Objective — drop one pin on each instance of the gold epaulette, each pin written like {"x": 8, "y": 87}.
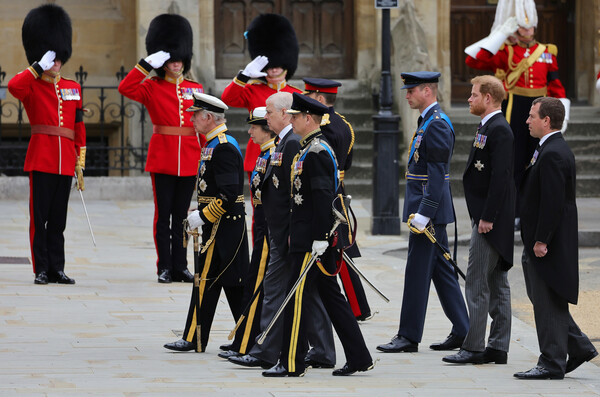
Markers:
{"x": 552, "y": 49}
{"x": 351, "y": 132}
{"x": 222, "y": 138}
{"x": 255, "y": 81}
{"x": 325, "y": 119}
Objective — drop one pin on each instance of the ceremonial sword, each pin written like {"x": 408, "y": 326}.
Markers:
{"x": 85, "y": 210}
{"x": 432, "y": 238}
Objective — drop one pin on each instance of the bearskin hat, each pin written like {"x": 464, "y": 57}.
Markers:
{"x": 171, "y": 33}
{"x": 273, "y": 36}
{"x": 47, "y": 28}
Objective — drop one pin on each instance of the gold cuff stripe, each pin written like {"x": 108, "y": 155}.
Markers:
{"x": 208, "y": 199}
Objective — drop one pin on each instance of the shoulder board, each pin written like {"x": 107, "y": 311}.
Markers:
{"x": 191, "y": 81}
{"x": 222, "y": 138}
{"x": 552, "y": 49}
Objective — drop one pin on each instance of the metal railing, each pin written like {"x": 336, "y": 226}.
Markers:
{"x": 117, "y": 130}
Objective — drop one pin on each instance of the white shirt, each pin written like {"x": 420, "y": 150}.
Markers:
{"x": 284, "y": 132}
{"x": 489, "y": 116}
{"x": 545, "y": 137}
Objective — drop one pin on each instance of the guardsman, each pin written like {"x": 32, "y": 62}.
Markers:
{"x": 248, "y": 329}
{"x": 528, "y": 69}
{"x": 340, "y": 135}
{"x": 273, "y": 47}
{"x": 313, "y": 186}
{"x": 56, "y": 150}
{"x": 174, "y": 147}
{"x": 428, "y": 197}
{"x": 220, "y": 215}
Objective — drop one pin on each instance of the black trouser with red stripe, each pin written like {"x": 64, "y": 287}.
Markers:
{"x": 48, "y": 204}
{"x": 295, "y": 320}
{"x": 172, "y": 196}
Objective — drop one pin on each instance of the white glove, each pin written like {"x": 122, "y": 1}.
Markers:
{"x": 474, "y": 48}
{"x": 47, "y": 60}
{"x": 318, "y": 247}
{"x": 420, "y": 221}
{"x": 567, "y": 104}
{"x": 194, "y": 220}
{"x": 254, "y": 68}
{"x": 598, "y": 85}
{"x": 158, "y": 59}
{"x": 494, "y": 41}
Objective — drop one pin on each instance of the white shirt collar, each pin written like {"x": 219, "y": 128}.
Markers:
{"x": 545, "y": 137}
{"x": 489, "y": 116}
{"x": 284, "y": 132}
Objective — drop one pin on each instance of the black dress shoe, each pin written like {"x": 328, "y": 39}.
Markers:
{"x": 495, "y": 356}
{"x": 279, "y": 371}
{"x": 226, "y": 347}
{"x": 399, "y": 344}
{"x": 450, "y": 343}
{"x": 228, "y": 353}
{"x": 60, "y": 277}
{"x": 180, "y": 345}
{"x": 184, "y": 276}
{"x": 248, "y": 360}
{"x": 576, "y": 361}
{"x": 538, "y": 373}
{"x": 164, "y": 276}
{"x": 309, "y": 362}
{"x": 465, "y": 357}
{"x": 346, "y": 370}
{"x": 41, "y": 278}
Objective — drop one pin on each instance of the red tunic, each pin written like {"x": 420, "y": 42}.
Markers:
{"x": 50, "y": 102}
{"x": 543, "y": 72}
{"x": 241, "y": 93}
{"x": 166, "y": 101}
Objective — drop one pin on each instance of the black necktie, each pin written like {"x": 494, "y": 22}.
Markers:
{"x": 478, "y": 128}
{"x": 419, "y": 121}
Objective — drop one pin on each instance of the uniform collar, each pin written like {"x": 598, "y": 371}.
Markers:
{"x": 277, "y": 86}
{"x": 216, "y": 131}
{"x": 309, "y": 137}
{"x": 267, "y": 145}
{"x": 172, "y": 80}
{"x": 49, "y": 79}
{"x": 527, "y": 45}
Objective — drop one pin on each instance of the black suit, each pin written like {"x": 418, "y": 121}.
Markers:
{"x": 549, "y": 215}
{"x": 490, "y": 195}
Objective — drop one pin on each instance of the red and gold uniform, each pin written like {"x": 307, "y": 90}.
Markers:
{"x": 524, "y": 80}
{"x": 173, "y": 155}
{"x": 244, "y": 92}
{"x": 54, "y": 107}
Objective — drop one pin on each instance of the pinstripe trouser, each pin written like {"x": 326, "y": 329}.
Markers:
{"x": 487, "y": 292}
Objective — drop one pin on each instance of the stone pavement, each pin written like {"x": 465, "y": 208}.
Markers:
{"x": 104, "y": 335}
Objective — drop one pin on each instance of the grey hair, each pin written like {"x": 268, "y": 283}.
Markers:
{"x": 218, "y": 117}
{"x": 281, "y": 100}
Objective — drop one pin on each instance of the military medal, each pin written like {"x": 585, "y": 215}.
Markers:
{"x": 261, "y": 165}
{"x": 188, "y": 92}
{"x": 202, "y": 169}
{"x": 534, "y": 158}
{"x": 416, "y": 156}
{"x": 276, "y": 159}
{"x": 70, "y": 94}
{"x": 207, "y": 153}
{"x": 258, "y": 194}
{"x": 298, "y": 167}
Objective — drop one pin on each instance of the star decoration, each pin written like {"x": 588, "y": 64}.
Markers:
{"x": 202, "y": 185}
{"x": 298, "y": 199}
{"x": 256, "y": 180}
{"x": 202, "y": 169}
{"x": 275, "y": 181}
{"x": 479, "y": 165}
{"x": 297, "y": 183}
{"x": 258, "y": 195}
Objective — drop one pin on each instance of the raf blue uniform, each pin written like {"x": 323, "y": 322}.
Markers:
{"x": 428, "y": 193}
